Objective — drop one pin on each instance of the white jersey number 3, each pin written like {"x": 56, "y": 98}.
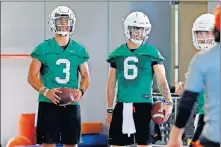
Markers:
{"x": 66, "y": 71}
{"x": 130, "y": 67}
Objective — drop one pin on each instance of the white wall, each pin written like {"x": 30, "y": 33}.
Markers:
{"x": 99, "y": 28}
{"x": 21, "y": 31}
{"x": 16, "y": 95}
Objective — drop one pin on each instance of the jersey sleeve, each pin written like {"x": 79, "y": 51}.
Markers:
{"x": 113, "y": 65}
{"x": 83, "y": 55}
{"x": 38, "y": 53}
{"x": 195, "y": 78}
{"x": 111, "y": 58}
{"x": 156, "y": 62}
{"x": 158, "y": 57}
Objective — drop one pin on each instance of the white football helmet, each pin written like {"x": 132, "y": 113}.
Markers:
{"x": 204, "y": 23}
{"x": 137, "y": 27}
{"x": 62, "y": 21}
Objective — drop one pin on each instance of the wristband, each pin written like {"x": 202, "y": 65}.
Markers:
{"x": 110, "y": 110}
{"x": 82, "y": 92}
{"x": 169, "y": 103}
{"x": 46, "y": 91}
{"x": 41, "y": 89}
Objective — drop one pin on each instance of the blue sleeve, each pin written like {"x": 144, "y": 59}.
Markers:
{"x": 195, "y": 78}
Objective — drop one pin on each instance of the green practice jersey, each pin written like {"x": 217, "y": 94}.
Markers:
{"x": 60, "y": 68}
{"x": 200, "y": 101}
{"x": 134, "y": 72}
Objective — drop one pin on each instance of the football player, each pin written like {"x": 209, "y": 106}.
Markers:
{"x": 58, "y": 61}
{"x": 203, "y": 72}
{"x": 203, "y": 39}
{"x": 132, "y": 66}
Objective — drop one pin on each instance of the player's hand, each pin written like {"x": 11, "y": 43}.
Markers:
{"x": 52, "y": 96}
{"x": 79, "y": 96}
{"x": 108, "y": 119}
{"x": 174, "y": 142}
{"x": 175, "y": 138}
{"x": 168, "y": 110}
{"x": 179, "y": 88}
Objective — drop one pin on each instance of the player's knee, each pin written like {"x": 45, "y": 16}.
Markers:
{"x": 49, "y": 145}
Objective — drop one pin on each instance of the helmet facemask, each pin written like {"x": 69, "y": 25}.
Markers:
{"x": 137, "y": 35}
{"x": 203, "y": 40}
{"x": 64, "y": 25}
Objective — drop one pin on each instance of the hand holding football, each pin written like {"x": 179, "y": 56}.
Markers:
{"x": 67, "y": 95}
{"x": 158, "y": 112}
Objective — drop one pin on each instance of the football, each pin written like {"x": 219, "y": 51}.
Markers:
{"x": 67, "y": 96}
{"x": 158, "y": 112}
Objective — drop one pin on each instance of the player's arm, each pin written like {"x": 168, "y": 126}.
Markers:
{"x": 35, "y": 82}
{"x": 33, "y": 74}
{"x": 160, "y": 74}
{"x": 85, "y": 77}
{"x": 111, "y": 85}
{"x": 193, "y": 86}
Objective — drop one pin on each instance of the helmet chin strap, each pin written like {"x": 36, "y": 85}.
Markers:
{"x": 137, "y": 42}
{"x": 62, "y": 34}
{"x": 204, "y": 46}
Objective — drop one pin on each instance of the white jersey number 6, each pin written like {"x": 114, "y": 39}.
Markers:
{"x": 130, "y": 67}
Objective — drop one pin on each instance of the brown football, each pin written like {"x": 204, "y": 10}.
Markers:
{"x": 67, "y": 96}
{"x": 158, "y": 112}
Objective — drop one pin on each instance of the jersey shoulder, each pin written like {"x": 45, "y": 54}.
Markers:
{"x": 41, "y": 50}
{"x": 152, "y": 52}
{"x": 79, "y": 49}
{"x": 119, "y": 51}
{"x": 43, "y": 47}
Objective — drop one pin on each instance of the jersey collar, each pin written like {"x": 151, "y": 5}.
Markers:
{"x": 57, "y": 47}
